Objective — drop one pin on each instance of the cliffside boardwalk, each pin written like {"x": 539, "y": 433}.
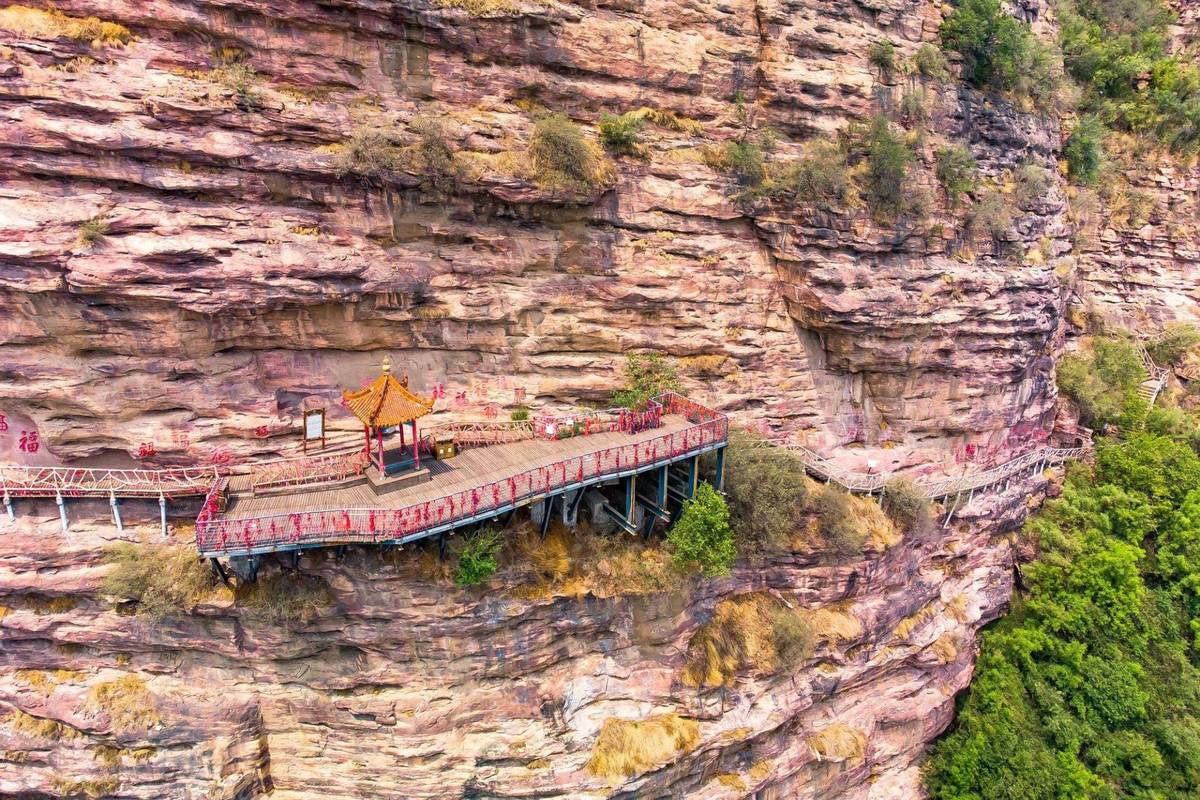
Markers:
{"x": 334, "y": 498}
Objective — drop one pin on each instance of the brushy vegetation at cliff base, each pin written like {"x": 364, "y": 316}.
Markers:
{"x": 1090, "y": 688}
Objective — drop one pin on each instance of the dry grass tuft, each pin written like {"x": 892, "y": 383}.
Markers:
{"x": 576, "y": 563}
{"x": 833, "y": 624}
{"x": 285, "y": 597}
{"x": 879, "y": 531}
{"x": 945, "y": 648}
{"x": 41, "y": 24}
{"x": 749, "y": 632}
{"x": 731, "y": 781}
{"x": 906, "y": 626}
{"x": 84, "y": 787}
{"x": 626, "y": 747}
{"x": 838, "y": 742}
{"x": 40, "y": 727}
{"x": 127, "y": 702}
{"x": 162, "y": 579}
{"x": 45, "y": 682}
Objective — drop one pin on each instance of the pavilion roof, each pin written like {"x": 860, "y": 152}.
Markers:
{"x": 386, "y": 402}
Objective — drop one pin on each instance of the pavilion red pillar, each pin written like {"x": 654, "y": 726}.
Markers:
{"x": 416, "y": 450}
{"x": 379, "y": 438}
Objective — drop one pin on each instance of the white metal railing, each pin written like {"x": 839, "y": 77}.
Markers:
{"x": 936, "y": 488}
{"x": 22, "y": 481}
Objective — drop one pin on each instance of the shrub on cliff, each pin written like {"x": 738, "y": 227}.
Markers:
{"x": 1178, "y": 340}
{"x": 477, "y": 558}
{"x": 619, "y": 134}
{"x": 907, "y": 505}
{"x": 1001, "y": 52}
{"x": 837, "y": 522}
{"x": 431, "y": 155}
{"x": 1103, "y": 382}
{"x": 701, "y": 538}
{"x": 162, "y": 579}
{"x": 930, "y": 62}
{"x": 882, "y": 56}
{"x": 1129, "y": 73}
{"x": 767, "y": 490}
{"x": 560, "y": 153}
{"x": 92, "y": 231}
{"x": 370, "y": 151}
{"x": 820, "y": 178}
{"x": 888, "y": 157}
{"x": 956, "y": 172}
{"x": 1084, "y": 151}
{"x": 646, "y": 376}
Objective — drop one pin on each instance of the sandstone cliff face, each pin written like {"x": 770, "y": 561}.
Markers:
{"x": 237, "y": 274}
{"x": 409, "y": 688}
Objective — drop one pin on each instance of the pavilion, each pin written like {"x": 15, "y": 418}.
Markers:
{"x": 387, "y": 403}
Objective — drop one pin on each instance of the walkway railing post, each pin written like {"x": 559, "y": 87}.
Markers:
{"x": 162, "y": 514}
{"x": 116, "y": 512}
{"x": 62, "y": 510}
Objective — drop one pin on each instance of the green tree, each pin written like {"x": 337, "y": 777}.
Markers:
{"x": 477, "y": 558}
{"x": 956, "y": 171}
{"x": 702, "y": 538}
{"x": 646, "y": 376}
{"x": 766, "y": 487}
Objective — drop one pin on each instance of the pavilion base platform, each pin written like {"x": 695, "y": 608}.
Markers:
{"x": 383, "y": 484}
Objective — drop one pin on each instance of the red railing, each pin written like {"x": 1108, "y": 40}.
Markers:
{"x": 585, "y": 421}
{"x": 224, "y": 536}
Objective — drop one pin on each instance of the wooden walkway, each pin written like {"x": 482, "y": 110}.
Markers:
{"x": 474, "y": 486}
{"x": 469, "y": 469}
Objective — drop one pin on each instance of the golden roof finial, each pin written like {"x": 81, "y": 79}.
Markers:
{"x": 387, "y": 363}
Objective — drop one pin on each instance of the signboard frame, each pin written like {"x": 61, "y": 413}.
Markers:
{"x": 313, "y": 416}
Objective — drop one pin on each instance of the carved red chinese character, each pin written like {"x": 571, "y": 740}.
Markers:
{"x": 3, "y": 423}
{"x": 29, "y": 442}
{"x": 439, "y": 391}
{"x": 221, "y": 456}
{"x": 491, "y": 410}
{"x": 261, "y": 431}
{"x": 519, "y": 396}
{"x": 146, "y": 450}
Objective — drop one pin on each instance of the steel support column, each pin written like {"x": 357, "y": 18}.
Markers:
{"x": 8, "y": 506}
{"x": 719, "y": 479}
{"x": 162, "y": 515}
{"x": 62, "y": 510}
{"x": 116, "y": 512}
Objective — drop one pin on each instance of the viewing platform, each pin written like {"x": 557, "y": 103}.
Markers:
{"x": 642, "y": 463}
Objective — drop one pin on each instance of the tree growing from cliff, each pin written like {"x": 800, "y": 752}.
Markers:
{"x": 646, "y": 376}
{"x": 888, "y": 157}
{"x": 477, "y": 558}
{"x": 1001, "y": 52}
{"x": 701, "y": 538}
{"x": 1103, "y": 381}
{"x": 767, "y": 490}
